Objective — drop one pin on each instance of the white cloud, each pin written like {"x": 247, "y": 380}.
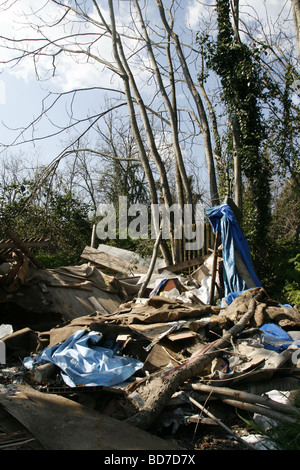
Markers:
{"x": 72, "y": 70}
{"x": 198, "y": 12}
{"x": 263, "y": 9}
{"x": 23, "y": 19}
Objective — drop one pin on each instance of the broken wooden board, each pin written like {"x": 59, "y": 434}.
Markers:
{"x": 205, "y": 269}
{"x": 159, "y": 358}
{"x": 112, "y": 262}
{"x": 62, "y": 424}
{"x": 181, "y": 335}
{"x": 176, "y": 268}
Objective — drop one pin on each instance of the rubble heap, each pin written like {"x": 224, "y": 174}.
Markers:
{"x": 89, "y": 364}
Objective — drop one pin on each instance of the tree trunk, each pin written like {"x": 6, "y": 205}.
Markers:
{"x": 127, "y": 77}
{"x": 181, "y": 178}
{"x": 235, "y": 126}
{"x": 296, "y": 14}
{"x": 214, "y": 195}
{"x": 237, "y": 165}
{"x": 235, "y": 9}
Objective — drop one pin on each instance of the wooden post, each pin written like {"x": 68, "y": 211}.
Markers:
{"x": 214, "y": 270}
{"x": 93, "y": 237}
{"x": 152, "y": 264}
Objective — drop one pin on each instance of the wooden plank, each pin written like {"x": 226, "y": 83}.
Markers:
{"x": 98, "y": 306}
{"x": 62, "y": 424}
{"x": 214, "y": 270}
{"x": 111, "y": 262}
{"x": 179, "y": 335}
{"x": 183, "y": 265}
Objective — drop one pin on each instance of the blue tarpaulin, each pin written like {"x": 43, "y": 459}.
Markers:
{"x": 275, "y": 338}
{"x": 84, "y": 363}
{"x": 223, "y": 220}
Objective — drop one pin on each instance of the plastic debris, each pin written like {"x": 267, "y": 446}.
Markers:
{"x": 84, "y": 363}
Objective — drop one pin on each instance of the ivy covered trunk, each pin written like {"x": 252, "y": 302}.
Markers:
{"x": 238, "y": 68}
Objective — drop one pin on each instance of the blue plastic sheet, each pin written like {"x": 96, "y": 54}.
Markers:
{"x": 275, "y": 338}
{"x": 232, "y": 296}
{"x": 223, "y": 219}
{"x": 84, "y": 363}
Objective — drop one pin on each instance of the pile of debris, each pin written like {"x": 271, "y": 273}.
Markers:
{"x": 92, "y": 364}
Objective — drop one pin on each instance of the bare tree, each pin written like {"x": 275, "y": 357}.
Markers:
{"x": 77, "y": 30}
{"x": 203, "y": 120}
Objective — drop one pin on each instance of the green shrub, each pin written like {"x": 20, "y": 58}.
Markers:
{"x": 292, "y": 285}
{"x": 56, "y": 260}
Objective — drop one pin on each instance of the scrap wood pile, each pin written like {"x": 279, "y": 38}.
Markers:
{"x": 122, "y": 367}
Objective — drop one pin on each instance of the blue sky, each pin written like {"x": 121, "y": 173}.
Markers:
{"x": 21, "y": 93}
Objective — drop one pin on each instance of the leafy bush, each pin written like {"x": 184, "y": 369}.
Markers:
{"x": 56, "y": 260}
{"x": 292, "y": 285}
{"x": 54, "y": 214}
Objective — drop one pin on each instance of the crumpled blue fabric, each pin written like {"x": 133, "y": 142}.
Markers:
{"x": 84, "y": 363}
{"x": 223, "y": 219}
{"x": 276, "y": 339}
